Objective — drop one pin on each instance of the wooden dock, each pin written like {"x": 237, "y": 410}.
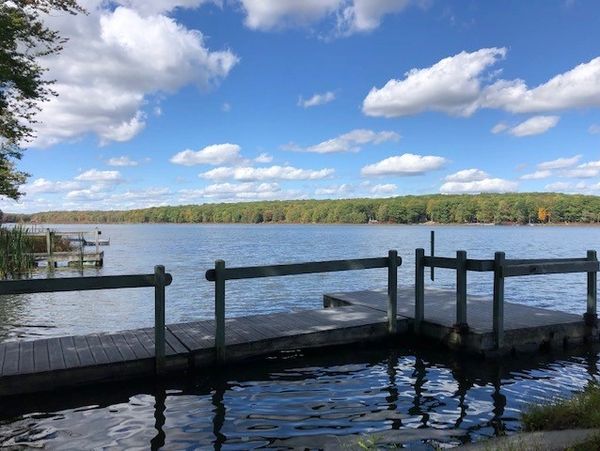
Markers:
{"x": 526, "y": 328}
{"x": 31, "y": 366}
{"x": 485, "y": 326}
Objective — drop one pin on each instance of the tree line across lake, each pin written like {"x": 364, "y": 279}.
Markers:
{"x": 521, "y": 208}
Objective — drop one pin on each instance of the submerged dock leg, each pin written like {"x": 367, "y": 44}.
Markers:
{"x": 419, "y": 289}
{"x": 392, "y": 291}
{"x": 461, "y": 291}
{"x": 498, "y": 319}
{"x": 591, "y": 314}
{"x": 220, "y": 310}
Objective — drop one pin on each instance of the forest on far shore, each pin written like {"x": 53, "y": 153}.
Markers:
{"x": 515, "y": 208}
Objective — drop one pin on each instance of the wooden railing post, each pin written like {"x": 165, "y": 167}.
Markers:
{"x": 591, "y": 314}
{"x": 49, "y": 245}
{"x": 220, "y": 310}
{"x": 392, "y": 290}
{"x": 97, "y": 240}
{"x": 419, "y": 289}
{"x": 159, "y": 318}
{"x": 432, "y": 254}
{"x": 498, "y": 318}
{"x": 461, "y": 290}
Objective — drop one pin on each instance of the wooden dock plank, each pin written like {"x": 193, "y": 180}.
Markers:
{"x": 67, "y": 345}
{"x": 55, "y": 354}
{"x": 122, "y": 347}
{"x": 192, "y": 335}
{"x": 134, "y": 343}
{"x": 41, "y": 360}
{"x": 84, "y": 353}
{"x": 2, "y": 354}
{"x": 174, "y": 343}
{"x": 97, "y": 350}
{"x": 26, "y": 363}
{"x": 11, "y": 358}
{"x": 110, "y": 349}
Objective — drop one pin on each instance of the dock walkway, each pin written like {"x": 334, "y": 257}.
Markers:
{"x": 31, "y": 366}
{"x": 351, "y": 317}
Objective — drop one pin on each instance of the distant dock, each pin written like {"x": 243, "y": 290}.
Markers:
{"x": 478, "y": 325}
{"x": 76, "y": 257}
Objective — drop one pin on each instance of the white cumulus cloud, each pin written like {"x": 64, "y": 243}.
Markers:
{"x": 404, "y": 165}
{"x": 317, "y": 99}
{"x": 559, "y": 163}
{"x": 42, "y": 185}
{"x": 122, "y": 161}
{"x": 487, "y": 185}
{"x": 249, "y": 174}
{"x": 452, "y": 85}
{"x": 467, "y": 175}
{"x": 94, "y": 175}
{"x": 534, "y": 126}
{"x": 114, "y": 60}
{"x": 458, "y": 85}
{"x": 348, "y": 142}
{"x": 350, "y": 15}
{"x": 214, "y": 154}
{"x": 537, "y": 175}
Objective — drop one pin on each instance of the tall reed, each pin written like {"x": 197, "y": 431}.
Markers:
{"x": 15, "y": 251}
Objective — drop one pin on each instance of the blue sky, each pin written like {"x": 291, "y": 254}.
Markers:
{"x": 188, "y": 101}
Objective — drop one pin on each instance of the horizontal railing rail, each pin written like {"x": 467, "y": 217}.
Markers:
{"x": 220, "y": 274}
{"x": 159, "y": 280}
{"x": 502, "y": 268}
{"x": 293, "y": 269}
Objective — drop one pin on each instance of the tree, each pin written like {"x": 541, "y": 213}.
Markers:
{"x": 24, "y": 38}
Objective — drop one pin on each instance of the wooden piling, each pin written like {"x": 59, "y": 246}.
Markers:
{"x": 461, "y": 290}
{"x": 591, "y": 314}
{"x": 220, "y": 310}
{"x": 498, "y": 316}
{"x": 419, "y": 289}
{"x": 159, "y": 318}
{"x": 392, "y": 306}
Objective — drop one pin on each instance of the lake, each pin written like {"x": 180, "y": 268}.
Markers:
{"x": 295, "y": 399}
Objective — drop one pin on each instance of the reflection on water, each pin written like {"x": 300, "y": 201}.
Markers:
{"x": 391, "y": 393}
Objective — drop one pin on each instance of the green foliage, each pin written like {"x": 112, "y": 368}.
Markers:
{"x": 521, "y": 208}
{"x": 15, "y": 251}
{"x": 24, "y": 38}
{"x": 582, "y": 411}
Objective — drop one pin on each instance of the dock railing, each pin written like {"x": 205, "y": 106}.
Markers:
{"x": 159, "y": 280}
{"x": 502, "y": 268}
{"x": 220, "y": 274}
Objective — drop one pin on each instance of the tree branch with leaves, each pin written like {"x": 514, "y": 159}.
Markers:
{"x": 24, "y": 39}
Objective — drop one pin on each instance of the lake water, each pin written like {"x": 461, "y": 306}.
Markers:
{"x": 293, "y": 400}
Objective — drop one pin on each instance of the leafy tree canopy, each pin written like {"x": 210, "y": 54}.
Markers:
{"x": 24, "y": 38}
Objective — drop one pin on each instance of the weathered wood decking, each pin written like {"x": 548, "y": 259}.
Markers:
{"x": 30, "y": 366}
{"x": 354, "y": 317}
{"x": 526, "y": 328}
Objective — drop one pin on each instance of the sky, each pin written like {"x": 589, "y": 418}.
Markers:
{"x": 194, "y": 101}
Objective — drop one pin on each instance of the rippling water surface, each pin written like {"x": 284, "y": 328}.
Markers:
{"x": 389, "y": 394}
